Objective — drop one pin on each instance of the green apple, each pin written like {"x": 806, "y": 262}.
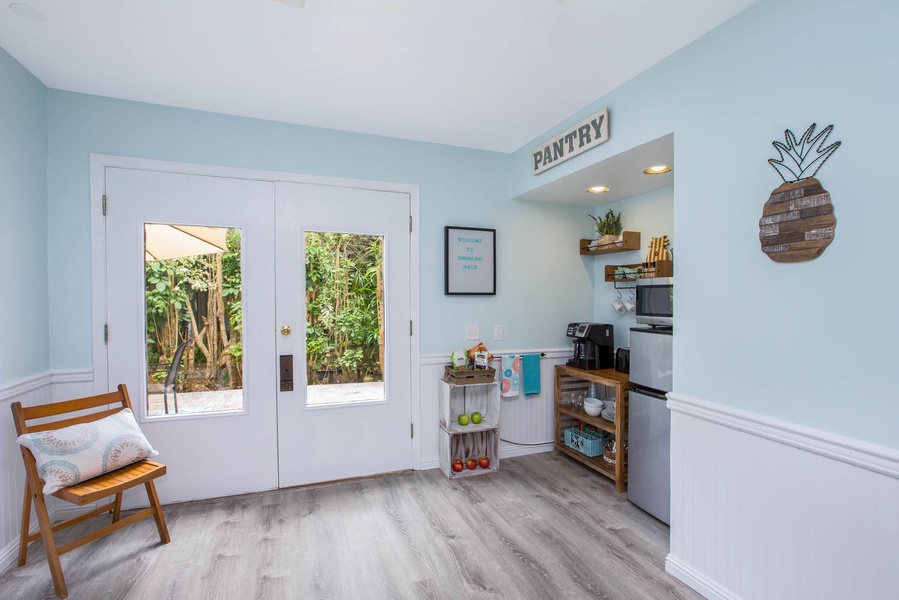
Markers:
{"x": 476, "y": 417}
{"x": 463, "y": 419}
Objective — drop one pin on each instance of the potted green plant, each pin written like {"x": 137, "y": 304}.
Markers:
{"x": 608, "y": 228}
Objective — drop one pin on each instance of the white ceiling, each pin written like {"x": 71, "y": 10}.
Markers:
{"x": 488, "y": 74}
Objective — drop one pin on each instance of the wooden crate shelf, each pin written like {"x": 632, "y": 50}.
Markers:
{"x": 470, "y": 444}
{"x": 458, "y": 399}
{"x": 630, "y": 241}
{"x": 469, "y": 441}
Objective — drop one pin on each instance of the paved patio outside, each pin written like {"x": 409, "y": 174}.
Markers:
{"x": 232, "y": 400}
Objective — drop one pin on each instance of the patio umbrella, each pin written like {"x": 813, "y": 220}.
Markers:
{"x": 172, "y": 241}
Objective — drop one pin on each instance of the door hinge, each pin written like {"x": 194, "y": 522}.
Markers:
{"x": 106, "y": 333}
{"x": 410, "y": 223}
{"x": 410, "y": 328}
{"x": 411, "y": 430}
{"x": 104, "y": 205}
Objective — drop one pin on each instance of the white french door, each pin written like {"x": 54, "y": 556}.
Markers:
{"x": 338, "y": 431}
{"x": 255, "y": 437}
{"x": 217, "y": 452}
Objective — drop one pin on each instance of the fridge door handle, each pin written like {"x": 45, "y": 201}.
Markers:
{"x": 648, "y": 392}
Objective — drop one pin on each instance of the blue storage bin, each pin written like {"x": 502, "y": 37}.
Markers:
{"x": 589, "y": 441}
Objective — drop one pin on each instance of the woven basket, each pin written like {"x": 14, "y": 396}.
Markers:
{"x": 608, "y": 456}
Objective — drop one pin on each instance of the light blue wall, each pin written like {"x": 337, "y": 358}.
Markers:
{"x": 542, "y": 282}
{"x": 812, "y": 343}
{"x": 23, "y": 222}
{"x": 652, "y": 215}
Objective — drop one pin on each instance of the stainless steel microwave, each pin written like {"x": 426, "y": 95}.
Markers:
{"x": 655, "y": 301}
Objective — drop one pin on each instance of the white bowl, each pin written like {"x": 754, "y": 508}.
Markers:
{"x": 593, "y": 411}
{"x": 592, "y": 406}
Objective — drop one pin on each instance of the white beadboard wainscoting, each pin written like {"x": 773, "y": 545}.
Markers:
{"x": 761, "y": 508}
{"x": 31, "y": 391}
{"x": 523, "y": 419}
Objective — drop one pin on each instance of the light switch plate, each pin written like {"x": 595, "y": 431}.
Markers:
{"x": 497, "y": 332}
{"x": 472, "y": 332}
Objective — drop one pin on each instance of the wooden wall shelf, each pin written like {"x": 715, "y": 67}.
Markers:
{"x": 631, "y": 241}
{"x": 663, "y": 268}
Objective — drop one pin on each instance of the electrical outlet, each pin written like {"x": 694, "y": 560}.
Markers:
{"x": 497, "y": 332}
{"x": 472, "y": 332}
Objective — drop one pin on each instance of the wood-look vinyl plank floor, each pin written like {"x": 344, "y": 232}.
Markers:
{"x": 540, "y": 527}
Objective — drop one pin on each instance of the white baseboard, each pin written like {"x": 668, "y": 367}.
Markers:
{"x": 510, "y": 451}
{"x": 9, "y": 554}
{"x": 430, "y": 463}
{"x": 697, "y": 580}
{"x": 505, "y": 451}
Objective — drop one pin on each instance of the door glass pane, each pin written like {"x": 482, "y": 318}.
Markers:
{"x": 194, "y": 316}
{"x": 344, "y": 318}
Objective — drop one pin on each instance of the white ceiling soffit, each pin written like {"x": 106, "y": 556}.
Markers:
{"x": 489, "y": 74}
{"x": 622, "y": 174}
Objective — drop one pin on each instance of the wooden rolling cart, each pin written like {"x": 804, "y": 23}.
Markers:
{"x": 567, "y": 416}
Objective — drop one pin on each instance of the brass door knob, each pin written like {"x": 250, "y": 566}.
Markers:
{"x": 285, "y": 330}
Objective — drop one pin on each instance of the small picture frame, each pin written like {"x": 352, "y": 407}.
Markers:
{"x": 469, "y": 261}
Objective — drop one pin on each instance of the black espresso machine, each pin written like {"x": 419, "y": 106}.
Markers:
{"x": 594, "y": 346}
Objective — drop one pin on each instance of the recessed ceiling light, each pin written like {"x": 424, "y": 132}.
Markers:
{"x": 657, "y": 170}
{"x": 597, "y": 189}
{"x": 29, "y": 13}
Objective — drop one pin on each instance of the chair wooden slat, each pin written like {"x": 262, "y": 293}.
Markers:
{"x": 88, "y": 418}
{"x": 58, "y": 408}
{"x": 112, "y": 483}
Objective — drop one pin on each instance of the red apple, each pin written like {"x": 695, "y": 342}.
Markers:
{"x": 472, "y": 464}
{"x": 484, "y": 462}
{"x": 457, "y": 465}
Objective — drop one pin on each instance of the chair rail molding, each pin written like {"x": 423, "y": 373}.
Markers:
{"x": 25, "y": 385}
{"x": 879, "y": 459}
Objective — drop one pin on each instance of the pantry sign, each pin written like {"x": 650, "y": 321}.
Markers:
{"x": 470, "y": 261}
{"x": 589, "y": 133}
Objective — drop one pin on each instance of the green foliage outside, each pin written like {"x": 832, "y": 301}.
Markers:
{"x": 344, "y": 307}
{"x": 200, "y": 294}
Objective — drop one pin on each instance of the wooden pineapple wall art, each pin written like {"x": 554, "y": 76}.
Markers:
{"x": 797, "y": 222}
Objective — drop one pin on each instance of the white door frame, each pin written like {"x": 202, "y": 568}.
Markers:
{"x": 98, "y": 164}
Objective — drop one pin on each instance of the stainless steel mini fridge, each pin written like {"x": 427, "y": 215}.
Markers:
{"x": 649, "y": 421}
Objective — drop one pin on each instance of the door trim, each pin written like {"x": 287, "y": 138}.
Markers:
{"x": 98, "y": 165}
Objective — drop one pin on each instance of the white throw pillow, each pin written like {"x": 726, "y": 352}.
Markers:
{"x": 72, "y": 454}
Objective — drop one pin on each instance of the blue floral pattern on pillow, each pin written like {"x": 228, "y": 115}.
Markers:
{"x": 124, "y": 450}
{"x": 73, "y": 454}
{"x": 63, "y": 470}
{"x": 67, "y": 440}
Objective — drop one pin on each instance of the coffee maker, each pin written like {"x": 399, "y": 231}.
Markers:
{"x": 594, "y": 346}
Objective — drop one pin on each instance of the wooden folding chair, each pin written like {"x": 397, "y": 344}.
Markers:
{"x": 86, "y": 492}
